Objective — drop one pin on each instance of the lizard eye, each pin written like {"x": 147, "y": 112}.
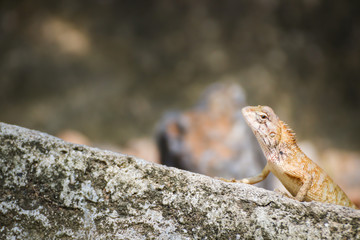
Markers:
{"x": 263, "y": 116}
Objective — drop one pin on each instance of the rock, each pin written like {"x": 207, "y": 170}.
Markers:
{"x": 51, "y": 189}
{"x": 213, "y": 137}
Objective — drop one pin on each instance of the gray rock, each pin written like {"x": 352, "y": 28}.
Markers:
{"x": 51, "y": 189}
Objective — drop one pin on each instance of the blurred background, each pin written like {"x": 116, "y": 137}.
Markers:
{"x": 107, "y": 70}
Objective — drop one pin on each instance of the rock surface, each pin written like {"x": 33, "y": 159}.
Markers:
{"x": 53, "y": 189}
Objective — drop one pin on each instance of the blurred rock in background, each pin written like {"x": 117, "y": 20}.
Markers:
{"x": 213, "y": 137}
{"x": 73, "y": 136}
{"x": 144, "y": 148}
{"x": 109, "y": 69}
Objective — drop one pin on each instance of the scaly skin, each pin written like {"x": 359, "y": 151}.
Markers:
{"x": 303, "y": 178}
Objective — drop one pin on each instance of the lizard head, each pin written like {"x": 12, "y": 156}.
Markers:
{"x": 265, "y": 125}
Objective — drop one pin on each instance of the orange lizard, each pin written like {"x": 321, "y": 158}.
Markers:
{"x": 303, "y": 178}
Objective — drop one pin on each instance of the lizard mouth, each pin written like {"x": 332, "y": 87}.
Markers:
{"x": 246, "y": 111}
{"x": 249, "y": 114}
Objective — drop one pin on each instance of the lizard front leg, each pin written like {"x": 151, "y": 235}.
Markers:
{"x": 300, "y": 196}
{"x": 306, "y": 180}
{"x": 251, "y": 180}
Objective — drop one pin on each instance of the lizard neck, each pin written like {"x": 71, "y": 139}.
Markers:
{"x": 287, "y": 147}
{"x": 286, "y": 142}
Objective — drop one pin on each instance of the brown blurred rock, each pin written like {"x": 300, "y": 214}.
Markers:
{"x": 144, "y": 148}
{"x": 73, "y": 136}
{"x": 213, "y": 138}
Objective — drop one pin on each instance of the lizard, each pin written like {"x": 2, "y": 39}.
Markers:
{"x": 302, "y": 177}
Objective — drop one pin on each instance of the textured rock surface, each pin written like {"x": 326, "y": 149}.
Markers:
{"x": 53, "y": 189}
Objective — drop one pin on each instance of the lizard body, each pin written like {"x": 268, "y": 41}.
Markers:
{"x": 303, "y": 178}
